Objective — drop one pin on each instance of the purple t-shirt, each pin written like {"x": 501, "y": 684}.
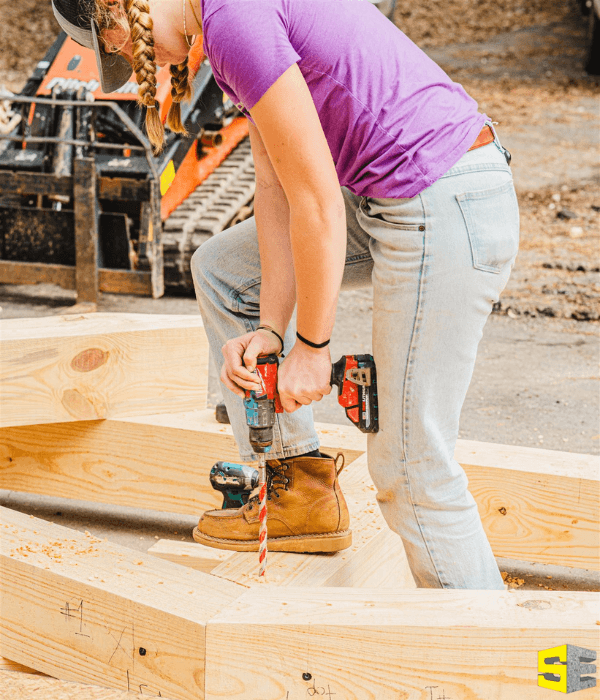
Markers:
{"x": 394, "y": 121}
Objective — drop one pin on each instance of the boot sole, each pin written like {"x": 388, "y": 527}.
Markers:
{"x": 331, "y": 542}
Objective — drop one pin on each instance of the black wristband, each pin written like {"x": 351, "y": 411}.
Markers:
{"x": 267, "y": 328}
{"x": 312, "y": 345}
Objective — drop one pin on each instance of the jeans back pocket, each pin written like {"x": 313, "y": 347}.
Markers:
{"x": 492, "y": 220}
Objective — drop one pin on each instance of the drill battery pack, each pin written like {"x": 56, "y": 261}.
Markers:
{"x": 356, "y": 379}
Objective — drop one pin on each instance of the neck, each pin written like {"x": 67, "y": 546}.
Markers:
{"x": 193, "y": 16}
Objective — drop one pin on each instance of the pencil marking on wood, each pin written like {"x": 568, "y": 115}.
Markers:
{"x": 66, "y": 611}
{"x": 118, "y": 645}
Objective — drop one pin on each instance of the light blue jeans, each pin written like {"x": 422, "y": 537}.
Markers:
{"x": 437, "y": 262}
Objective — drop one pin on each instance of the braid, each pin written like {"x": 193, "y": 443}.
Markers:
{"x": 144, "y": 65}
{"x": 180, "y": 90}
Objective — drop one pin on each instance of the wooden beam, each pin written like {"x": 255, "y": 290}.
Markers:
{"x": 7, "y": 665}
{"x": 79, "y": 608}
{"x": 37, "y": 273}
{"x": 84, "y": 367}
{"x": 120, "y": 188}
{"x": 159, "y": 462}
{"x": 536, "y": 505}
{"x": 125, "y": 282}
{"x": 191, "y": 554}
{"x": 333, "y": 438}
{"x": 20, "y": 183}
{"x": 86, "y": 210}
{"x": 109, "y": 281}
{"x": 381, "y": 563}
{"x": 376, "y": 555}
{"x": 355, "y": 644}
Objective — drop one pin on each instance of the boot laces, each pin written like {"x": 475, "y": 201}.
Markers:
{"x": 276, "y": 480}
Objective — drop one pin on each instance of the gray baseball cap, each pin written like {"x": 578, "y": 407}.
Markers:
{"x": 76, "y": 19}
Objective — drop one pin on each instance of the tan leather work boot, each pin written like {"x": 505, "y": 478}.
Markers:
{"x": 306, "y": 511}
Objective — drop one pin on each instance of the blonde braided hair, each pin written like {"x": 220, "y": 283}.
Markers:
{"x": 181, "y": 89}
{"x": 137, "y": 17}
{"x": 144, "y": 65}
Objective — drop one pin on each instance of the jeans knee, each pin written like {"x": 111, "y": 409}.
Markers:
{"x": 201, "y": 264}
{"x": 443, "y": 494}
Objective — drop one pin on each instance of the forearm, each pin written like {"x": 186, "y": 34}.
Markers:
{"x": 277, "y": 292}
{"x": 318, "y": 238}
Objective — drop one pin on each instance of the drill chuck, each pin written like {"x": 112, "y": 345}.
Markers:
{"x": 261, "y": 406}
{"x": 261, "y": 439}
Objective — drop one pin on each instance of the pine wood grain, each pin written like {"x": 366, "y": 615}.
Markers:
{"x": 78, "y": 608}
{"x": 7, "y": 665}
{"x": 333, "y": 438}
{"x": 191, "y": 554}
{"x": 536, "y": 505}
{"x": 90, "y": 366}
{"x": 112, "y": 462}
{"x": 365, "y": 644}
{"x": 155, "y": 462}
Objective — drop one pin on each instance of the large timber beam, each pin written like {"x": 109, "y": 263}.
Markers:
{"x": 158, "y": 462}
{"x": 109, "y": 281}
{"x": 84, "y": 367}
{"x": 381, "y": 561}
{"x": 78, "y": 608}
{"x": 360, "y": 644}
{"x": 376, "y": 557}
{"x": 7, "y": 665}
{"x": 196, "y": 556}
{"x": 536, "y": 505}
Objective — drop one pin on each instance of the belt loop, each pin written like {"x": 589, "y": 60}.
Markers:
{"x": 490, "y": 123}
{"x": 499, "y": 146}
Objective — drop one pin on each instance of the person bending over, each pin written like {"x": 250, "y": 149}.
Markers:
{"x": 372, "y": 168}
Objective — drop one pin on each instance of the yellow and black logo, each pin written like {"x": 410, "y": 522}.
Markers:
{"x": 563, "y": 668}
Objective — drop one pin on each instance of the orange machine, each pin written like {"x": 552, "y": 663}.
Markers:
{"x": 85, "y": 203}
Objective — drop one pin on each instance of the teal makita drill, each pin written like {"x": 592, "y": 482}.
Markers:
{"x": 234, "y": 481}
{"x": 356, "y": 380}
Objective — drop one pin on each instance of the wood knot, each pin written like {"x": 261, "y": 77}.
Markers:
{"x": 88, "y": 360}
{"x": 502, "y": 510}
{"x": 81, "y": 407}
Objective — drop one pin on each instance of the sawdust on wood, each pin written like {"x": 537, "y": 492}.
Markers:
{"x": 22, "y": 686}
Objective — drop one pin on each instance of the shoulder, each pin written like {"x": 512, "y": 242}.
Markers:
{"x": 248, "y": 45}
{"x": 243, "y": 13}
{"x": 232, "y": 26}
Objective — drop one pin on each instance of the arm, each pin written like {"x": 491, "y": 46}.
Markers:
{"x": 298, "y": 151}
{"x": 294, "y": 141}
{"x": 272, "y": 215}
{"x": 294, "y": 165}
{"x": 277, "y": 291}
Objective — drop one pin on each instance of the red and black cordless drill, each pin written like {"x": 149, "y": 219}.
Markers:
{"x": 354, "y": 376}
{"x": 356, "y": 380}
